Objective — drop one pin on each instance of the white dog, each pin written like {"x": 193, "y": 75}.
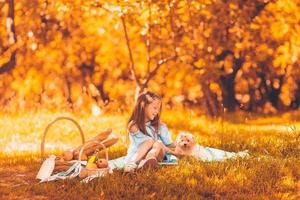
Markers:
{"x": 186, "y": 146}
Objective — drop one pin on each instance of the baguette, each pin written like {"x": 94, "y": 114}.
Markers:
{"x": 61, "y": 168}
{"x": 107, "y": 143}
{"x": 60, "y": 163}
{"x": 100, "y": 137}
{"x": 92, "y": 147}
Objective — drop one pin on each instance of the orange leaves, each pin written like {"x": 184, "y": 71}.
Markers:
{"x": 282, "y": 57}
{"x": 82, "y": 43}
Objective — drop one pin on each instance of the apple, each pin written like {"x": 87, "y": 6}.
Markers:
{"x": 102, "y": 163}
{"x": 68, "y": 155}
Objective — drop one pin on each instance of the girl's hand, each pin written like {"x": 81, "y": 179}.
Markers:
{"x": 169, "y": 150}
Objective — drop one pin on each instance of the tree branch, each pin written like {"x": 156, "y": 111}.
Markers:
{"x": 158, "y": 64}
{"x": 8, "y": 66}
{"x": 132, "y": 67}
{"x": 259, "y": 8}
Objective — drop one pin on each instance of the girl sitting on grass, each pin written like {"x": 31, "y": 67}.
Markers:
{"x": 149, "y": 138}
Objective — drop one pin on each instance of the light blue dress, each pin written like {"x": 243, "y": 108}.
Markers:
{"x": 138, "y": 138}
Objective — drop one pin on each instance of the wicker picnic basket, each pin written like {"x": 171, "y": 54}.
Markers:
{"x": 48, "y": 127}
{"x": 98, "y": 171}
{"x": 61, "y": 165}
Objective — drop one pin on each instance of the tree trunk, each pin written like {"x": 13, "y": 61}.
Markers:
{"x": 68, "y": 92}
{"x": 268, "y": 91}
{"x": 139, "y": 90}
{"x": 227, "y": 80}
{"x": 252, "y": 102}
{"x": 100, "y": 87}
{"x": 142, "y": 83}
{"x": 296, "y": 102}
{"x": 275, "y": 92}
{"x": 210, "y": 100}
{"x": 228, "y": 92}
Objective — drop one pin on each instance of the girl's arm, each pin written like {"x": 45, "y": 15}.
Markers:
{"x": 175, "y": 152}
{"x": 172, "y": 145}
{"x": 171, "y": 148}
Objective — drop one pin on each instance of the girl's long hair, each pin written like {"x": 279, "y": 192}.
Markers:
{"x": 138, "y": 115}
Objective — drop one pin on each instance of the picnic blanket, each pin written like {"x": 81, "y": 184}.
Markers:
{"x": 221, "y": 155}
{"x": 169, "y": 159}
{"x": 72, "y": 172}
{"x": 119, "y": 163}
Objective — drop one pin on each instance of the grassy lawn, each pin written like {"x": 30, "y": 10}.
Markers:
{"x": 272, "y": 171}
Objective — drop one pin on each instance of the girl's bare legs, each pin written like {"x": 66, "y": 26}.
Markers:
{"x": 157, "y": 151}
{"x": 142, "y": 151}
{"x": 153, "y": 156}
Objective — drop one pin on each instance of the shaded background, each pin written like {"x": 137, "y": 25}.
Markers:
{"x": 208, "y": 55}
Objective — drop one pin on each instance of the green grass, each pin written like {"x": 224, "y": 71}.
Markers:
{"x": 272, "y": 171}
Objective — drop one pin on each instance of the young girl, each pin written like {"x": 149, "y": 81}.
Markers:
{"x": 149, "y": 138}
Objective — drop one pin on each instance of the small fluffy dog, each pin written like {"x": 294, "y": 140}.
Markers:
{"x": 186, "y": 146}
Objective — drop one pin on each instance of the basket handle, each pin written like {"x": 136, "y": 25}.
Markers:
{"x": 49, "y": 125}
{"x": 96, "y": 142}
